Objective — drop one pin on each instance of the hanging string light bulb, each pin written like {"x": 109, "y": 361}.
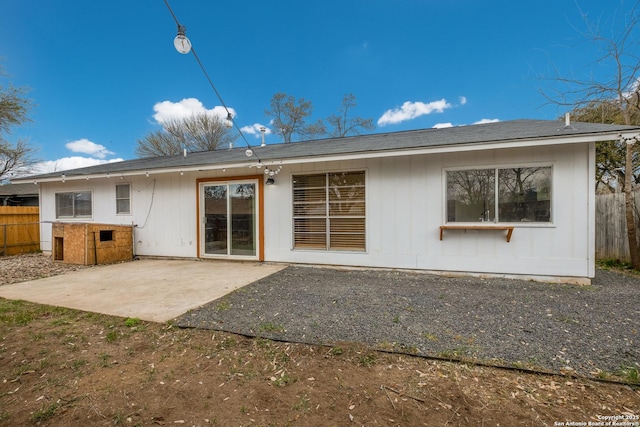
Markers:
{"x": 181, "y": 42}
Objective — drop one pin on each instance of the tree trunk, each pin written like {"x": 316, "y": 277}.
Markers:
{"x": 634, "y": 250}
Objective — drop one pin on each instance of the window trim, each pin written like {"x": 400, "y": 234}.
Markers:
{"x": 327, "y": 216}
{"x": 528, "y": 224}
{"x": 123, "y": 198}
{"x": 74, "y": 216}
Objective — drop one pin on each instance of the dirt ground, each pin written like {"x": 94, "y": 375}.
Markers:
{"x": 61, "y": 367}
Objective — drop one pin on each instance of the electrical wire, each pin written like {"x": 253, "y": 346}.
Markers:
{"x": 229, "y": 115}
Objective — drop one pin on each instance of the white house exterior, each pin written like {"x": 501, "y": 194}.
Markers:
{"x": 367, "y": 201}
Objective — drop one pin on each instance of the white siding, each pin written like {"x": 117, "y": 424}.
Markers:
{"x": 405, "y": 208}
{"x": 163, "y": 208}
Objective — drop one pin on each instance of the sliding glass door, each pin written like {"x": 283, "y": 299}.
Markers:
{"x": 229, "y": 218}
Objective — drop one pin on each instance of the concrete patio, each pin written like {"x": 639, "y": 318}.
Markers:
{"x": 149, "y": 289}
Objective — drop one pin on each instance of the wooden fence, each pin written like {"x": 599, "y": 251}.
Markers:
{"x": 611, "y": 226}
{"x": 19, "y": 229}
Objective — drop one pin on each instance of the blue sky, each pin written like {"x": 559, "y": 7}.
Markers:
{"x": 102, "y": 73}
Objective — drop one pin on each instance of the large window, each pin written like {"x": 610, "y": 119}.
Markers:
{"x": 73, "y": 204}
{"x": 329, "y": 211}
{"x": 123, "y": 199}
{"x": 521, "y": 194}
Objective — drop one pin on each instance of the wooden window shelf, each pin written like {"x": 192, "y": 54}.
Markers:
{"x": 507, "y": 228}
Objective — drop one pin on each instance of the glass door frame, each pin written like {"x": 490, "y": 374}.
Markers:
{"x": 258, "y": 181}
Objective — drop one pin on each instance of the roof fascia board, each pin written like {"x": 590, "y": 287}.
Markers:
{"x": 139, "y": 172}
{"x": 494, "y": 145}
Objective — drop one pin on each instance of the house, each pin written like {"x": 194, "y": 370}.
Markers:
{"x": 513, "y": 199}
{"x": 18, "y": 195}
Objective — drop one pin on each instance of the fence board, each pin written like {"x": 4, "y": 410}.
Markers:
{"x": 19, "y": 229}
{"x": 611, "y": 226}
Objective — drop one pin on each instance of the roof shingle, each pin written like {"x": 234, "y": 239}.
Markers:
{"x": 514, "y": 130}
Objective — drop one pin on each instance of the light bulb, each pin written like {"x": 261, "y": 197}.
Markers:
{"x": 181, "y": 42}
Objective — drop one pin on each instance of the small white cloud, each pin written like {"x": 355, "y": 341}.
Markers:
{"x": 87, "y": 147}
{"x": 483, "y": 121}
{"x": 463, "y": 100}
{"x": 254, "y": 129}
{"x": 168, "y": 110}
{"x": 412, "y": 110}
{"x": 67, "y": 163}
{"x": 442, "y": 125}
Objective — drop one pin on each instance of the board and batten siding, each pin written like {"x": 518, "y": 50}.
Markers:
{"x": 163, "y": 210}
{"x": 405, "y": 206}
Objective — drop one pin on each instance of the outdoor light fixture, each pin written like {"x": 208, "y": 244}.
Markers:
{"x": 183, "y": 46}
{"x": 228, "y": 123}
{"x": 181, "y": 42}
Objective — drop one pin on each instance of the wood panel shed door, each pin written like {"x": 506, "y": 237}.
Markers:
{"x": 229, "y": 219}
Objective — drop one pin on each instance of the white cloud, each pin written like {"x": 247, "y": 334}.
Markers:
{"x": 67, "y": 163}
{"x": 168, "y": 110}
{"x": 443, "y": 125}
{"x": 412, "y": 110}
{"x": 254, "y": 129}
{"x": 463, "y": 100}
{"x": 87, "y": 147}
{"x": 483, "y": 121}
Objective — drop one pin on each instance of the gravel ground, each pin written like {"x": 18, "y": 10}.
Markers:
{"x": 502, "y": 321}
{"x": 549, "y": 327}
{"x": 20, "y": 268}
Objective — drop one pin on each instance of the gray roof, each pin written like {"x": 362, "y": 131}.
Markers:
{"x": 18, "y": 190}
{"x": 516, "y": 130}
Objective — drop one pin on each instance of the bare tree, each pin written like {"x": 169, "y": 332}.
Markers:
{"x": 15, "y": 158}
{"x": 610, "y": 155}
{"x": 620, "y": 90}
{"x": 290, "y": 118}
{"x": 200, "y": 132}
{"x": 343, "y": 125}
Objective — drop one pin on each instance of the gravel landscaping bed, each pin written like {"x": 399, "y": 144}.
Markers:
{"x": 21, "y": 268}
{"x": 591, "y": 331}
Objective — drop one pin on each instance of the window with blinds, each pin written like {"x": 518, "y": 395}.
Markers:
{"x": 329, "y": 211}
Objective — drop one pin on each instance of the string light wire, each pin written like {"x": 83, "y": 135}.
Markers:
{"x": 229, "y": 115}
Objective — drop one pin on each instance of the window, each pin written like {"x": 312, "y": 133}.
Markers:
{"x": 106, "y": 235}
{"x": 521, "y": 194}
{"x": 73, "y": 204}
{"x": 329, "y": 211}
{"x": 123, "y": 199}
